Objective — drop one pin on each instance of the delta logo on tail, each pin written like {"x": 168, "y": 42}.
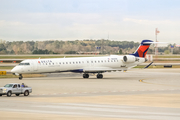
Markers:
{"x": 143, "y": 48}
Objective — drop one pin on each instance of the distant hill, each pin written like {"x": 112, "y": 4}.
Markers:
{"x": 71, "y": 47}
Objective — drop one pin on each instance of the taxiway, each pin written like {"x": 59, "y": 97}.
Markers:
{"x": 136, "y": 94}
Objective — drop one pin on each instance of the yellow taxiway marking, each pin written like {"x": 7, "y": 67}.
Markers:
{"x": 142, "y": 80}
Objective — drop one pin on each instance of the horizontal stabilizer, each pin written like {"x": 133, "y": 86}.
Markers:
{"x": 155, "y": 42}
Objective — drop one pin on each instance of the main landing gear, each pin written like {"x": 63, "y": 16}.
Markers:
{"x": 85, "y": 75}
{"x": 99, "y": 76}
{"x": 20, "y": 76}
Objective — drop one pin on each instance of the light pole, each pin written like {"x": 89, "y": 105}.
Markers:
{"x": 156, "y": 48}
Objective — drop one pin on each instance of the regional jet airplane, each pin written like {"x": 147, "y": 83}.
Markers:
{"x": 85, "y": 65}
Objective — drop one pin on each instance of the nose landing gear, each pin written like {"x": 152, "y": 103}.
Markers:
{"x": 20, "y": 76}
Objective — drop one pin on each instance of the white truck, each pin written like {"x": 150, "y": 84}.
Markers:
{"x": 15, "y": 88}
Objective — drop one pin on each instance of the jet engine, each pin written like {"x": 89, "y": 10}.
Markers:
{"x": 129, "y": 58}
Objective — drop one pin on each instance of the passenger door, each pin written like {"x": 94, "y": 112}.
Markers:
{"x": 15, "y": 89}
{"x": 35, "y": 68}
{"x": 18, "y": 88}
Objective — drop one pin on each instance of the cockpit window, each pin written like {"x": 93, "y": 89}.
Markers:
{"x": 24, "y": 64}
{"x": 8, "y": 85}
{"x": 27, "y": 64}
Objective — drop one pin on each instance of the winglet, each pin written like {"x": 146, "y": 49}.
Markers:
{"x": 148, "y": 65}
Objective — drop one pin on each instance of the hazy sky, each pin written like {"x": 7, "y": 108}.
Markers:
{"x": 90, "y": 19}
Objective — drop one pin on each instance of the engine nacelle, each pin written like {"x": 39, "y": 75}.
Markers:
{"x": 129, "y": 58}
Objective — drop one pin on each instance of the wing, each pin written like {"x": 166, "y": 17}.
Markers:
{"x": 102, "y": 69}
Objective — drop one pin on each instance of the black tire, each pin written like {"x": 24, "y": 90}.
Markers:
{"x": 9, "y": 93}
{"x": 85, "y": 75}
{"x": 26, "y": 93}
{"x": 17, "y": 94}
{"x": 0, "y": 95}
{"x": 99, "y": 76}
{"x": 20, "y": 77}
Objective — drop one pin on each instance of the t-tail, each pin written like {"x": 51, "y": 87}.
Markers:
{"x": 143, "y": 48}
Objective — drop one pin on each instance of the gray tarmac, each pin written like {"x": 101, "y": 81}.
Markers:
{"x": 152, "y": 94}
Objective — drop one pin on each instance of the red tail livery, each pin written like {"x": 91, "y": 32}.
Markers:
{"x": 143, "y": 48}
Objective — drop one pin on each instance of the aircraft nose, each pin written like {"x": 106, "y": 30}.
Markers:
{"x": 14, "y": 70}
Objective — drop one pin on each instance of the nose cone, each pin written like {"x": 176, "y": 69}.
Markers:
{"x": 15, "y": 70}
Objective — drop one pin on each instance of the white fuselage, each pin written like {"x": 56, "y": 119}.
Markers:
{"x": 82, "y": 64}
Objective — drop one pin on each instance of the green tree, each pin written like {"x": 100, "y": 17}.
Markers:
{"x": 2, "y": 47}
{"x": 120, "y": 51}
{"x": 166, "y": 52}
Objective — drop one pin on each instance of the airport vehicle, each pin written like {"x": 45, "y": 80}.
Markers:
{"x": 85, "y": 65}
{"x": 15, "y": 88}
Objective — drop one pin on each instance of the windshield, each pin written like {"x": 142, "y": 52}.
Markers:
{"x": 8, "y": 85}
{"x": 24, "y": 64}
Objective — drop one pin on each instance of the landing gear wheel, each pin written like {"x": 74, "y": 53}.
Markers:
{"x": 20, "y": 77}
{"x": 9, "y": 93}
{"x": 26, "y": 93}
{"x": 85, "y": 75}
{"x": 0, "y": 95}
{"x": 100, "y": 76}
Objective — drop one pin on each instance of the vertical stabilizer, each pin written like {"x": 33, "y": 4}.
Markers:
{"x": 143, "y": 48}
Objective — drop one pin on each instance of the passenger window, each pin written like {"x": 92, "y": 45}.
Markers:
{"x": 79, "y": 62}
{"x": 59, "y": 63}
{"x": 76, "y": 62}
{"x": 15, "y": 86}
{"x": 66, "y": 62}
{"x": 73, "y": 62}
{"x": 91, "y": 61}
{"x": 102, "y": 61}
{"x": 69, "y": 62}
{"x": 19, "y": 85}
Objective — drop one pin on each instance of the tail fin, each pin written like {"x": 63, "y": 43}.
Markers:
{"x": 143, "y": 48}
